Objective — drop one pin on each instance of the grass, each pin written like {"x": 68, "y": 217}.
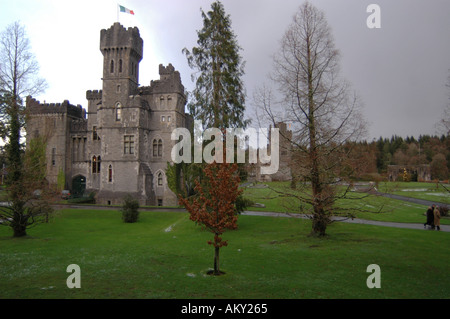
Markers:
{"x": 392, "y": 210}
{"x": 427, "y": 191}
{"x": 165, "y": 255}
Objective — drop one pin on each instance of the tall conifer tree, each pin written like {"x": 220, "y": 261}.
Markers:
{"x": 218, "y": 99}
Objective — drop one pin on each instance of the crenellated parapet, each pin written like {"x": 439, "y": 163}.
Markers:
{"x": 94, "y": 95}
{"x": 119, "y": 38}
{"x": 35, "y": 108}
{"x": 169, "y": 82}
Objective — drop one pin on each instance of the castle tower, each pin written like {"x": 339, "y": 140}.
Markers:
{"x": 124, "y": 143}
{"x": 119, "y": 122}
{"x": 122, "y": 52}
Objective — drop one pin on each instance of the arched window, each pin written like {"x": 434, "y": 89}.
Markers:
{"x": 160, "y": 148}
{"x": 160, "y": 179}
{"x": 110, "y": 172}
{"x": 94, "y": 165}
{"x": 111, "y": 66}
{"x": 120, "y": 66}
{"x": 99, "y": 162}
{"x": 95, "y": 134}
{"x": 118, "y": 111}
{"x": 155, "y": 148}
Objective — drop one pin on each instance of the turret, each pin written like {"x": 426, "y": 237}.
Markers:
{"x": 122, "y": 52}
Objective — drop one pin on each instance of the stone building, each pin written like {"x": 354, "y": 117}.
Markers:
{"x": 122, "y": 144}
{"x": 420, "y": 173}
{"x": 284, "y": 172}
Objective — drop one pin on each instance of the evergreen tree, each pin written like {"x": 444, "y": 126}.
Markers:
{"x": 218, "y": 99}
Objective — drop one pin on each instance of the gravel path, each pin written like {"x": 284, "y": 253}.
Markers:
{"x": 445, "y": 228}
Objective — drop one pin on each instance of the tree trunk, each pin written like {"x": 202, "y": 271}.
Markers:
{"x": 19, "y": 231}
{"x": 216, "y": 261}
{"x": 18, "y": 226}
{"x": 319, "y": 224}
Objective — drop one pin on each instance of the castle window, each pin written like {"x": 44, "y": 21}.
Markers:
{"x": 110, "y": 172}
{"x": 128, "y": 145}
{"x": 111, "y": 67}
{"x": 120, "y": 66}
{"x": 168, "y": 118}
{"x": 96, "y": 162}
{"x": 118, "y": 112}
{"x": 94, "y": 165}
{"x": 160, "y": 179}
{"x": 163, "y": 118}
{"x": 94, "y": 133}
{"x": 118, "y": 89}
{"x": 157, "y": 148}
{"x": 53, "y": 156}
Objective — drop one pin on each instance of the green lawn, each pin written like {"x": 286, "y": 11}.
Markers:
{"x": 165, "y": 255}
{"x": 391, "y": 210}
{"x": 427, "y": 191}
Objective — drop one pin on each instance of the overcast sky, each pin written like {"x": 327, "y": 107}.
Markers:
{"x": 399, "y": 70}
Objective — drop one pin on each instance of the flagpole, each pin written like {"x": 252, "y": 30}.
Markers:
{"x": 117, "y": 12}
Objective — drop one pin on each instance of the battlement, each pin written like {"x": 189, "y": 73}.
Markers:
{"x": 35, "y": 107}
{"x": 165, "y": 70}
{"x": 94, "y": 94}
{"x": 117, "y": 37}
{"x": 170, "y": 81}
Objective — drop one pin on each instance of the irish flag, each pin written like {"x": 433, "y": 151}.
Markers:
{"x": 126, "y": 10}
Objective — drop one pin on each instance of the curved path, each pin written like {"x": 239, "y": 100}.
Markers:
{"x": 444, "y": 228}
{"x": 412, "y": 200}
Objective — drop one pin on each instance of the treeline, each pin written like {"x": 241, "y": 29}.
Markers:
{"x": 430, "y": 150}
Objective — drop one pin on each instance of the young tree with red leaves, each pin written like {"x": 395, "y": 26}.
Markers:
{"x": 218, "y": 101}
{"x": 214, "y": 205}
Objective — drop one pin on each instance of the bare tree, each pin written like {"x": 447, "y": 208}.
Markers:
{"x": 18, "y": 66}
{"x": 324, "y": 114}
{"x": 19, "y": 77}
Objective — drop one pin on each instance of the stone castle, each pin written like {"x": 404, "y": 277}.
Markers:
{"x": 122, "y": 144}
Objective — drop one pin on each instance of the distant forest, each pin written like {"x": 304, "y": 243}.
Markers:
{"x": 431, "y": 150}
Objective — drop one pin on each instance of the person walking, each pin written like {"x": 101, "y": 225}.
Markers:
{"x": 430, "y": 217}
{"x": 437, "y": 218}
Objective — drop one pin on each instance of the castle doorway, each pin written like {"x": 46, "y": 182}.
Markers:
{"x": 78, "y": 185}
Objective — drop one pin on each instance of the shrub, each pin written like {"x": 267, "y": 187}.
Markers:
{"x": 242, "y": 203}
{"x": 130, "y": 209}
{"x": 90, "y": 199}
{"x": 444, "y": 210}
